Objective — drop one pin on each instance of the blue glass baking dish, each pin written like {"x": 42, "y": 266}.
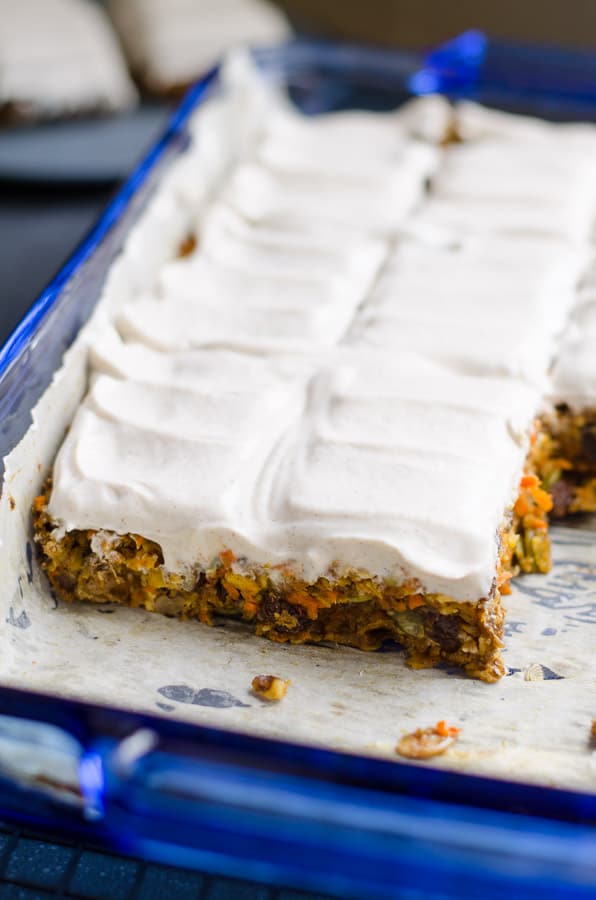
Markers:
{"x": 227, "y": 802}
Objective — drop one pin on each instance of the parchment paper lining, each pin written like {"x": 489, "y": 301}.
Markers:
{"x": 532, "y": 726}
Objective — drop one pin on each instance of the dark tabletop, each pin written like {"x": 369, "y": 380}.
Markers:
{"x": 54, "y": 181}
{"x": 39, "y": 228}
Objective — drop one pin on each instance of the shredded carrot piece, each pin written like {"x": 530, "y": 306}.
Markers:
{"x": 227, "y": 557}
{"x": 310, "y": 604}
{"x": 415, "y": 601}
{"x": 250, "y": 608}
{"x": 39, "y": 503}
{"x": 531, "y": 521}
{"x": 529, "y": 481}
{"x": 542, "y": 499}
{"x": 445, "y": 730}
{"x": 522, "y": 507}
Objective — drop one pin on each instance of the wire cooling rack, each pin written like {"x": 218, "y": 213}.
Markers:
{"x": 31, "y": 867}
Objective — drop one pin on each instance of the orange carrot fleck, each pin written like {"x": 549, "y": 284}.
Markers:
{"x": 227, "y": 557}
{"x": 529, "y": 481}
{"x": 301, "y": 598}
{"x": 445, "y": 730}
{"x": 415, "y": 601}
{"x": 532, "y": 521}
{"x": 522, "y": 507}
{"x": 542, "y": 499}
{"x": 250, "y": 609}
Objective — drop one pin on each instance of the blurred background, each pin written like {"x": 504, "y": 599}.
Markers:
{"x": 87, "y": 85}
{"x": 411, "y": 24}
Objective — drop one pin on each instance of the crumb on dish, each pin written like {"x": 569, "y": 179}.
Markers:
{"x": 270, "y": 687}
{"x": 187, "y": 246}
{"x": 423, "y": 743}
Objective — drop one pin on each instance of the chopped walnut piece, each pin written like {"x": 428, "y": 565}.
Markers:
{"x": 426, "y": 742}
{"x": 270, "y": 687}
{"x": 187, "y": 246}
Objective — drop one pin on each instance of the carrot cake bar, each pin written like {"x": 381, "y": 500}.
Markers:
{"x": 315, "y": 410}
{"x": 60, "y": 57}
{"x": 171, "y": 44}
{"x": 348, "y": 502}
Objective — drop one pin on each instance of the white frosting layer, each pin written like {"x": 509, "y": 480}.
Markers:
{"x": 574, "y": 373}
{"x": 502, "y": 186}
{"x": 350, "y": 170}
{"x": 378, "y": 201}
{"x": 373, "y": 462}
{"x": 353, "y": 143}
{"x": 474, "y": 122}
{"x": 546, "y": 216}
{"x": 485, "y": 306}
{"x": 60, "y": 57}
{"x": 256, "y": 289}
{"x": 311, "y": 386}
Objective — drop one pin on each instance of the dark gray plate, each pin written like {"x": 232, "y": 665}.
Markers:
{"x": 84, "y": 151}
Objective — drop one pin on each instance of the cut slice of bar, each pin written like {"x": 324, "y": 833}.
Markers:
{"x": 367, "y": 500}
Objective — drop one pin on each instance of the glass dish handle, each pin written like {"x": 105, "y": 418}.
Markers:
{"x": 550, "y": 80}
{"x": 195, "y": 806}
{"x": 254, "y": 808}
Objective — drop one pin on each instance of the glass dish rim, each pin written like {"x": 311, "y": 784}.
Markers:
{"x": 82, "y": 719}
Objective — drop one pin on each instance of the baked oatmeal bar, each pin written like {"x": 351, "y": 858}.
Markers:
{"x": 60, "y": 58}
